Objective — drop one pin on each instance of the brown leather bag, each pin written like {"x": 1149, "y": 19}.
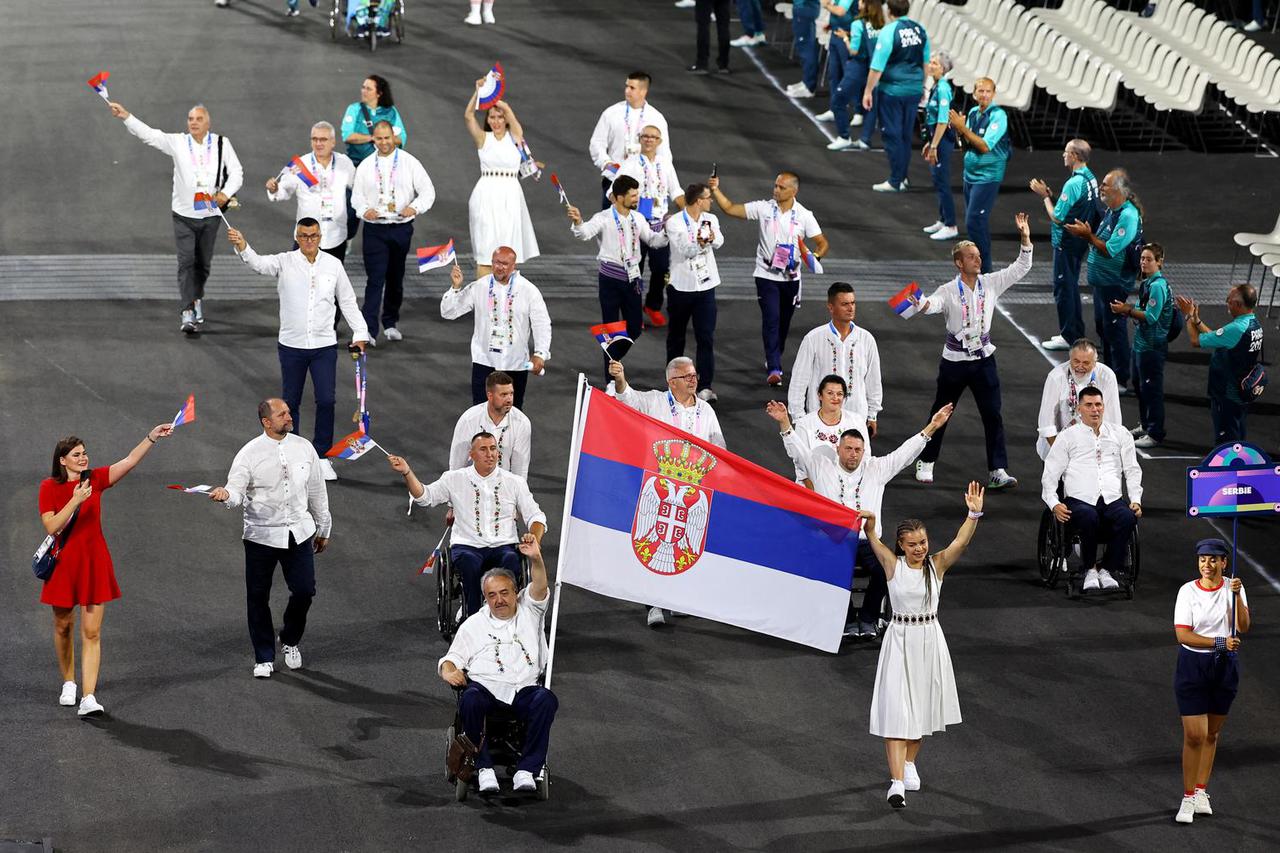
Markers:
{"x": 461, "y": 759}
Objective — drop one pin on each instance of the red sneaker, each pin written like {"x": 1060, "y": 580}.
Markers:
{"x": 655, "y": 317}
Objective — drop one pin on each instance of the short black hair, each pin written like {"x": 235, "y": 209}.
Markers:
{"x": 642, "y": 76}
{"x": 307, "y": 222}
{"x": 484, "y": 433}
{"x": 1090, "y": 391}
{"x": 899, "y": 8}
{"x": 852, "y": 433}
{"x": 837, "y": 288}
{"x": 693, "y": 192}
{"x": 622, "y": 185}
{"x": 493, "y": 380}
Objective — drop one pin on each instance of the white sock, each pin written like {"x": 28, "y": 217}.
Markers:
{"x": 488, "y": 6}
{"x": 475, "y": 6}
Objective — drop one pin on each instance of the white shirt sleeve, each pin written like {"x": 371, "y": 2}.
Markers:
{"x": 261, "y": 264}
{"x": 434, "y": 494}
{"x": 598, "y": 147}
{"x": 654, "y": 239}
{"x": 1183, "y": 615}
{"x": 285, "y": 188}
{"x": 540, "y": 324}
{"x": 457, "y": 303}
{"x": 871, "y": 382}
{"x": 461, "y": 444}
{"x": 426, "y": 191}
{"x": 155, "y": 138}
{"x": 1054, "y": 464}
{"x": 810, "y": 225}
{"x": 529, "y": 509}
{"x": 1046, "y": 424}
{"x": 345, "y": 296}
{"x": 238, "y": 479}
{"x": 888, "y": 467}
{"x": 1001, "y": 281}
{"x": 318, "y": 498}
{"x": 359, "y": 203}
{"x": 936, "y": 302}
{"x": 589, "y": 228}
{"x": 1129, "y": 462}
{"x": 235, "y": 173}
{"x": 802, "y": 376}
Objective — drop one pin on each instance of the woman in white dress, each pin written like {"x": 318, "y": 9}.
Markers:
{"x": 915, "y": 692}
{"x": 498, "y": 213}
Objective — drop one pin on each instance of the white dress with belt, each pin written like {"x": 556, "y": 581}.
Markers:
{"x": 915, "y": 691}
{"x": 499, "y": 215}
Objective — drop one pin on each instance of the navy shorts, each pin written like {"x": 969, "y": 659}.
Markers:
{"x": 1205, "y": 683}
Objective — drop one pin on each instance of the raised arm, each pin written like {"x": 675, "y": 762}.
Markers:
{"x": 469, "y": 116}
{"x": 117, "y": 471}
{"x": 736, "y": 210}
{"x": 532, "y": 548}
{"x": 513, "y": 123}
{"x": 948, "y": 556}
{"x": 883, "y": 553}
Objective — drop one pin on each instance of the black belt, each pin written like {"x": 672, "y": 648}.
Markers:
{"x": 914, "y": 618}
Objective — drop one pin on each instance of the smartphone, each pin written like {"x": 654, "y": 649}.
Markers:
{"x": 713, "y": 170}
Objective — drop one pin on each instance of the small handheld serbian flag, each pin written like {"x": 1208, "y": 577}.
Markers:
{"x": 204, "y": 201}
{"x": 352, "y": 446}
{"x": 492, "y": 88}
{"x": 300, "y": 169}
{"x": 201, "y": 489}
{"x": 811, "y": 262}
{"x": 613, "y": 338}
{"x": 187, "y": 413}
{"x": 610, "y": 170}
{"x": 555, "y": 182}
{"x": 902, "y": 301}
{"x": 98, "y": 83}
{"x": 434, "y": 257}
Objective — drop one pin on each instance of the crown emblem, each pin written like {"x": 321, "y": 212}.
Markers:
{"x": 674, "y": 460}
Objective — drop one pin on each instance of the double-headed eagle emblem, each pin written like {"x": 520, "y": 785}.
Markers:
{"x": 670, "y": 526}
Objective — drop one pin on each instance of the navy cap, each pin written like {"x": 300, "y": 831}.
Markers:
{"x": 1211, "y": 547}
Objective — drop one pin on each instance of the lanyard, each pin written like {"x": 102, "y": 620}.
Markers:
{"x": 1073, "y": 397}
{"x": 627, "y": 248}
{"x": 660, "y": 194}
{"x": 964, "y": 306}
{"x": 203, "y": 163}
{"x": 626, "y": 120}
{"x": 677, "y": 417}
{"x": 777, "y": 216}
{"x": 377, "y": 168}
{"x": 493, "y": 308}
{"x": 325, "y": 183}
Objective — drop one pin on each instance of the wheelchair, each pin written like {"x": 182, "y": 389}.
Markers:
{"x": 505, "y": 736}
{"x": 373, "y": 9}
{"x": 1057, "y": 543}
{"x": 449, "y": 587}
{"x": 856, "y": 595}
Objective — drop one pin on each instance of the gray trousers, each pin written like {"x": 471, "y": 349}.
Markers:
{"x": 195, "y": 239}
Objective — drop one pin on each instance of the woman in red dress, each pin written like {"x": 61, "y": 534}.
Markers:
{"x": 84, "y": 575}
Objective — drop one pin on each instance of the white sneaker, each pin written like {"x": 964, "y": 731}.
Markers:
{"x": 1202, "y": 802}
{"x": 743, "y": 41}
{"x": 189, "y": 322}
{"x": 1137, "y": 432}
{"x": 292, "y": 656}
{"x": 68, "y": 697}
{"x": 1146, "y": 442}
{"x": 393, "y": 334}
{"x": 840, "y": 143}
{"x": 223, "y": 3}
{"x": 946, "y": 232}
{"x": 1001, "y": 479}
{"x": 90, "y": 707}
{"x": 924, "y": 472}
{"x": 487, "y": 780}
{"x": 655, "y": 617}
{"x": 292, "y": 13}
{"x": 474, "y": 20}
{"x": 326, "y": 469}
{"x": 1252, "y": 27}
{"x": 932, "y": 229}
{"x": 801, "y": 91}
{"x": 860, "y": 145}
{"x": 827, "y": 116}
{"x": 487, "y": 15}
{"x": 897, "y": 795}
{"x": 1186, "y": 811}
{"x": 910, "y": 778}
{"x": 706, "y": 395}
{"x": 1056, "y": 344}
{"x": 263, "y": 670}
{"x": 886, "y": 187}
{"x": 686, "y": 4}
{"x": 523, "y": 781}
{"x": 856, "y": 121}
{"x": 198, "y": 307}
{"x": 760, "y": 38}
{"x": 1091, "y": 580}
{"x": 1105, "y": 579}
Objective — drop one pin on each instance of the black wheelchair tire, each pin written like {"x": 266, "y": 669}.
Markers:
{"x": 1047, "y": 556}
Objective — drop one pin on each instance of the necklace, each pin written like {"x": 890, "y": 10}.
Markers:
{"x": 838, "y": 349}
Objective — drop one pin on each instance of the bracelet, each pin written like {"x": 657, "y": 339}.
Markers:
{"x": 150, "y": 439}
{"x": 1219, "y": 644}
{"x": 787, "y": 433}
{"x": 975, "y": 515}
{"x": 926, "y": 436}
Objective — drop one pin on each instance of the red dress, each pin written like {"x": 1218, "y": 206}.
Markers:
{"x": 84, "y": 574}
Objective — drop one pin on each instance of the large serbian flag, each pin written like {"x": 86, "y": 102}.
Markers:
{"x": 659, "y": 517}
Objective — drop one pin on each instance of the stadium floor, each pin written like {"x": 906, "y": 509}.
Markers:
{"x": 699, "y": 735}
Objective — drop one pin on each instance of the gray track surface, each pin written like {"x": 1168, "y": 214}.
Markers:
{"x": 698, "y": 736}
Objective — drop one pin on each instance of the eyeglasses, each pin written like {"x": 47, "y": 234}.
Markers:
{"x": 307, "y": 237}
{"x": 650, "y": 136}
{"x": 688, "y": 377}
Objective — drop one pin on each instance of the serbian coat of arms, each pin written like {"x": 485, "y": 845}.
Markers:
{"x": 670, "y": 526}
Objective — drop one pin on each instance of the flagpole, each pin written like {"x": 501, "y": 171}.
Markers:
{"x": 574, "y": 449}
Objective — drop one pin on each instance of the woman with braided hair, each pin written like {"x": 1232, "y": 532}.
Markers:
{"x": 915, "y": 690}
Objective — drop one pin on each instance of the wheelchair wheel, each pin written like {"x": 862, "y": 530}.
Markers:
{"x": 447, "y": 589}
{"x": 1049, "y": 550}
{"x": 397, "y": 22}
{"x": 1131, "y": 562}
{"x": 544, "y": 784}
{"x": 373, "y": 37}
{"x": 459, "y": 791}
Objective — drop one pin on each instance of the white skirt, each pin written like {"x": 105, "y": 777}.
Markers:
{"x": 500, "y": 217}
{"x": 915, "y": 692}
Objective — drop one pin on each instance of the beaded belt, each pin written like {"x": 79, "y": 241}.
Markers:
{"x": 914, "y": 618}
{"x": 492, "y": 173}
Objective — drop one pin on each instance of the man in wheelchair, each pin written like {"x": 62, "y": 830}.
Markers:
{"x": 486, "y": 500}
{"x": 496, "y": 659}
{"x": 1091, "y": 459}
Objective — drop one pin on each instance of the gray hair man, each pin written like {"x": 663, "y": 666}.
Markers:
{"x": 1077, "y": 201}
{"x": 321, "y": 181}
{"x": 1060, "y": 399}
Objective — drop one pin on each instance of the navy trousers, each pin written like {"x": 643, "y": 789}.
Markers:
{"x": 620, "y": 300}
{"x": 752, "y": 16}
{"x": 980, "y": 377}
{"x": 1113, "y": 330}
{"x": 978, "y": 201}
{"x": 534, "y": 705}
{"x": 1110, "y": 522}
{"x": 941, "y": 175}
{"x": 867, "y": 564}
{"x": 702, "y": 15}
{"x": 1228, "y": 420}
{"x": 1148, "y": 374}
{"x": 804, "y": 27}
{"x": 1066, "y": 291}
{"x": 701, "y": 308}
{"x": 385, "y": 248}
{"x": 897, "y": 124}
{"x": 659, "y": 263}
{"x": 471, "y": 563}
{"x": 480, "y": 372}
{"x": 298, "y": 564}
{"x": 322, "y": 364}
{"x": 777, "y": 303}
